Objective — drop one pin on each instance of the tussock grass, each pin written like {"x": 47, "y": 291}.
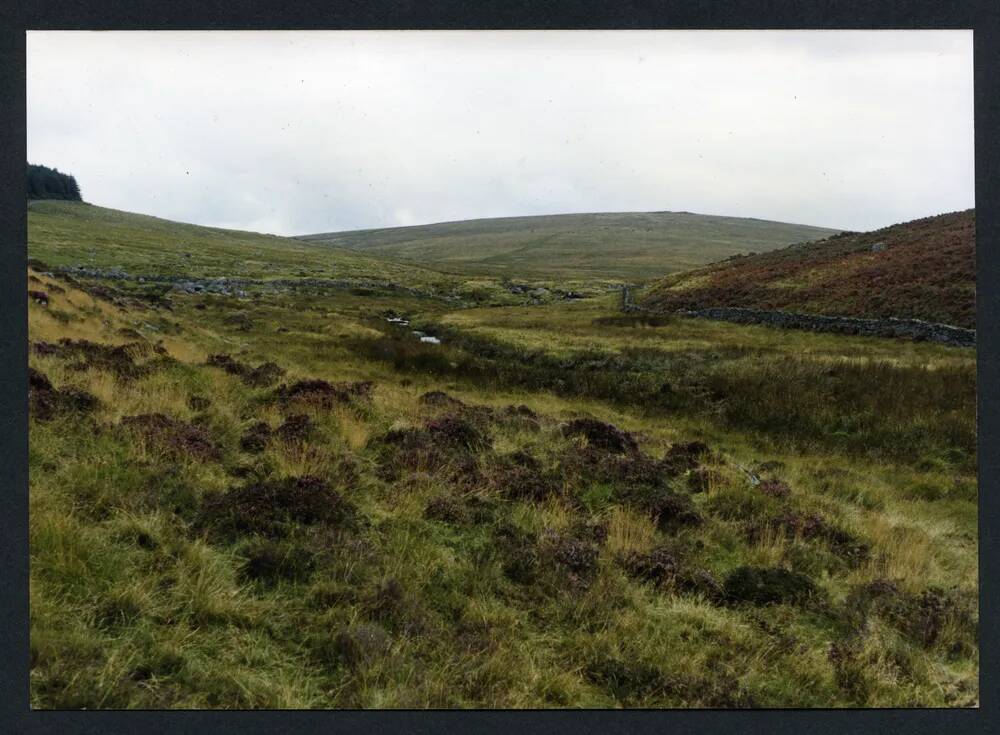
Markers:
{"x": 494, "y": 599}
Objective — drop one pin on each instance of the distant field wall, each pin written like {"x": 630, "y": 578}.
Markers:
{"x": 914, "y": 329}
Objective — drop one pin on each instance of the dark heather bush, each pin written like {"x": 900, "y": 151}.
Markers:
{"x": 811, "y": 526}
{"x": 198, "y": 403}
{"x": 267, "y": 507}
{"x": 684, "y": 456}
{"x": 664, "y": 568}
{"x": 322, "y": 393}
{"x": 361, "y": 644}
{"x": 447, "y": 509}
{"x": 174, "y": 436}
{"x": 296, "y": 428}
{"x": 440, "y": 398}
{"x": 270, "y": 561}
{"x": 775, "y": 488}
{"x": 768, "y": 586}
{"x": 263, "y": 375}
{"x": 632, "y": 473}
{"x": 576, "y": 557}
{"x": 700, "y": 479}
{"x": 922, "y": 617}
{"x": 116, "y": 359}
{"x": 457, "y": 432}
{"x": 671, "y": 510}
{"x": 518, "y": 553}
{"x": 256, "y": 437}
{"x": 518, "y": 482}
{"x": 602, "y": 435}
{"x": 390, "y": 605}
{"x": 44, "y": 401}
{"x": 627, "y": 681}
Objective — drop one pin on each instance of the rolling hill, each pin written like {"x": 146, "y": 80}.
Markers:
{"x": 628, "y": 245}
{"x": 63, "y": 233}
{"x": 923, "y": 269}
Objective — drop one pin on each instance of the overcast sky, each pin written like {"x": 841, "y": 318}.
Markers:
{"x": 302, "y": 132}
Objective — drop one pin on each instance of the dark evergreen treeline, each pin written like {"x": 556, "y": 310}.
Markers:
{"x": 49, "y": 183}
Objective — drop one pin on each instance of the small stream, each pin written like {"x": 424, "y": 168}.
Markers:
{"x": 399, "y": 321}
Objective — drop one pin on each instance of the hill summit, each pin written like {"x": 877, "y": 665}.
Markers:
{"x": 627, "y": 245}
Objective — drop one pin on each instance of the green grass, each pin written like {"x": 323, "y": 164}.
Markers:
{"x": 630, "y": 245}
{"x": 74, "y": 233}
{"x": 476, "y": 555}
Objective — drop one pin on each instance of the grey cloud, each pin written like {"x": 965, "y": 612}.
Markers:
{"x": 305, "y": 132}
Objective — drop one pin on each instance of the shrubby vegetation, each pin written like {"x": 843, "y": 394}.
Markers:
{"x": 284, "y": 500}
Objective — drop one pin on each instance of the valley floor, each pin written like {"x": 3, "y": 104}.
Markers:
{"x": 286, "y": 500}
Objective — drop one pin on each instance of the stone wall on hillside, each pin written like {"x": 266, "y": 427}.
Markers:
{"x": 914, "y": 329}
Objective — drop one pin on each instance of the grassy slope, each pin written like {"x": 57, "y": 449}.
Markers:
{"x": 138, "y": 602}
{"x": 629, "y": 245}
{"x": 79, "y": 234}
{"x": 72, "y": 233}
{"x": 927, "y": 270}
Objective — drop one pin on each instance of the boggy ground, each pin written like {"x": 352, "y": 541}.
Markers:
{"x": 305, "y": 506}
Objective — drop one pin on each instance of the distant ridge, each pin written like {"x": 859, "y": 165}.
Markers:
{"x": 924, "y": 269}
{"x": 625, "y": 245}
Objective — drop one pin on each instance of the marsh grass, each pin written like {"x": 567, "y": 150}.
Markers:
{"x": 497, "y": 600}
